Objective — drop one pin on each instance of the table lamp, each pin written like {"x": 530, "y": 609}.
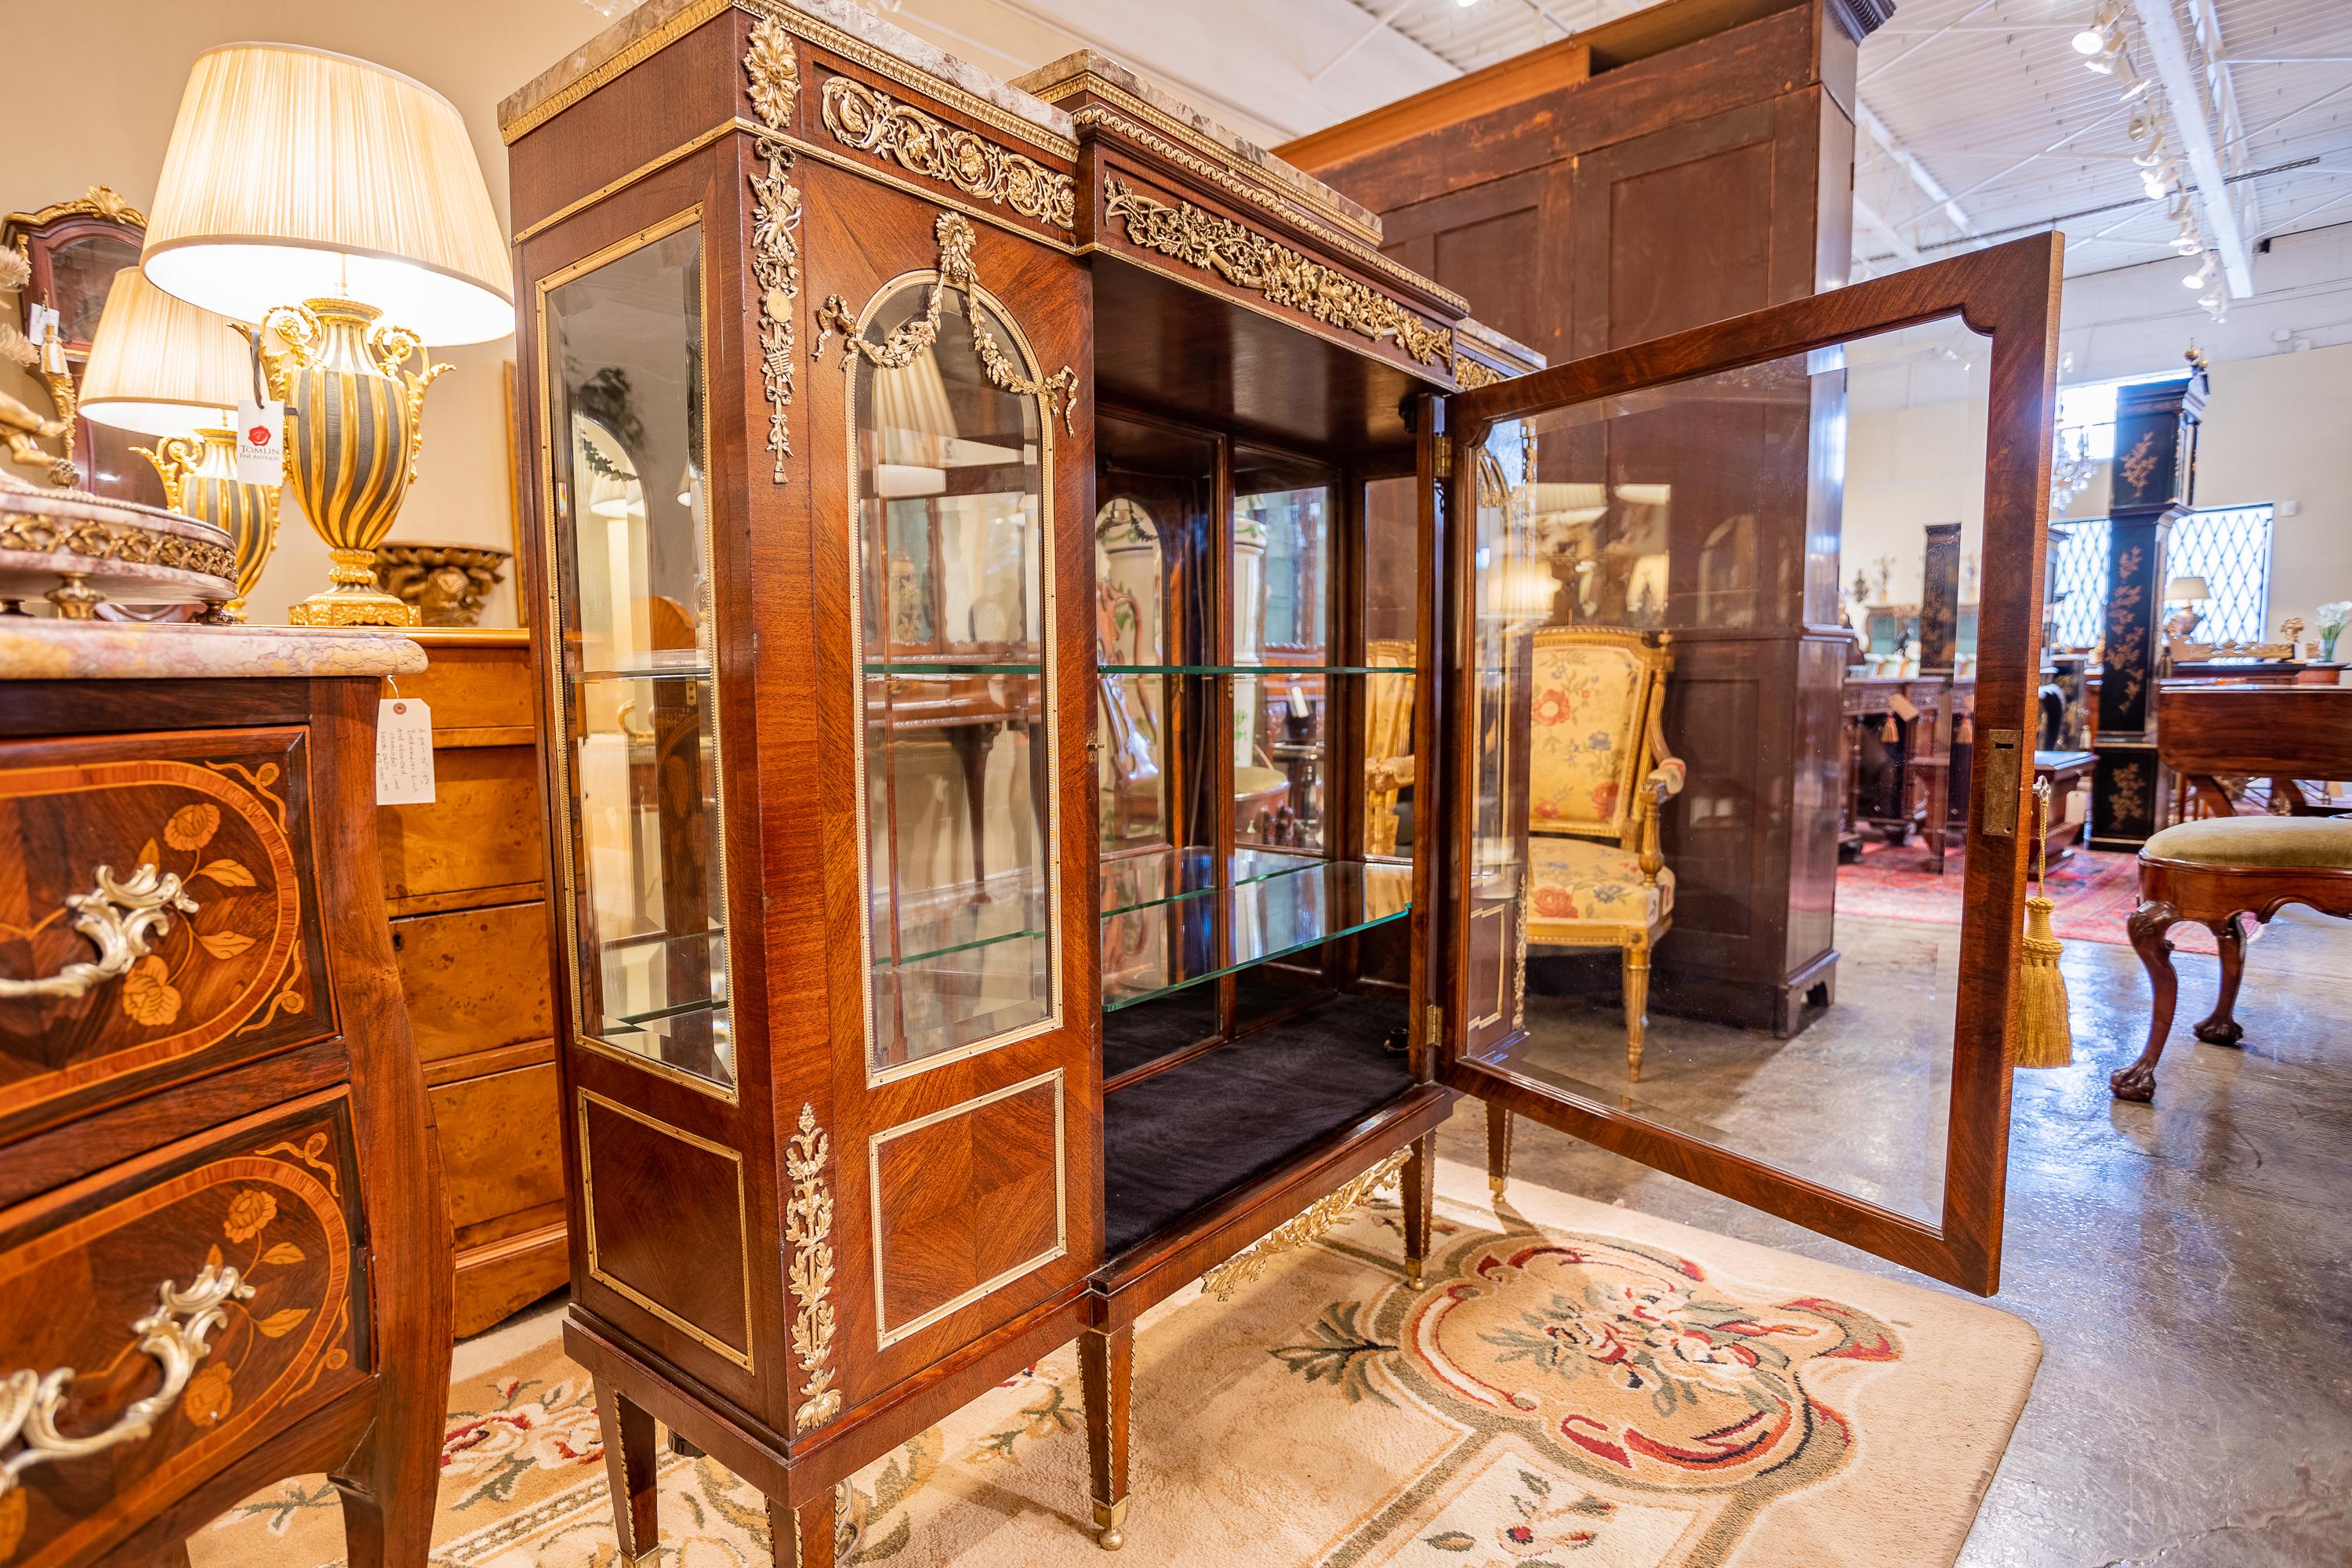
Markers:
{"x": 339, "y": 204}
{"x": 2188, "y": 593}
{"x": 159, "y": 366}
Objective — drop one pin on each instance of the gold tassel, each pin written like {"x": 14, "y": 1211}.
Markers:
{"x": 2045, "y": 1034}
{"x": 1890, "y": 731}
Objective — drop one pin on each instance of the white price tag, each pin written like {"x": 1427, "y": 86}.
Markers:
{"x": 41, "y": 324}
{"x": 261, "y": 444}
{"x": 403, "y": 752}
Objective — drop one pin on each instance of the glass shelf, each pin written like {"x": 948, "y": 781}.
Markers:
{"x": 1256, "y": 669}
{"x": 658, "y": 664}
{"x": 935, "y": 928}
{"x": 913, "y": 669}
{"x": 1141, "y": 881}
{"x": 1150, "y": 950}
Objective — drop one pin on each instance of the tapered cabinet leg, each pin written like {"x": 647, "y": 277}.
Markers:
{"x": 1637, "y": 1008}
{"x": 1107, "y": 1369}
{"x": 2148, "y": 926}
{"x": 1420, "y": 1192}
{"x": 803, "y": 1537}
{"x": 383, "y": 1527}
{"x": 1498, "y": 1147}
{"x": 629, "y": 1460}
{"x": 2221, "y": 1028}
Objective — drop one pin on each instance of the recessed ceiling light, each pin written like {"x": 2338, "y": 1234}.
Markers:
{"x": 2089, "y": 41}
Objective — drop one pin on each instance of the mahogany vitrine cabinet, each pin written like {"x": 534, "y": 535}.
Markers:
{"x": 1036, "y": 609}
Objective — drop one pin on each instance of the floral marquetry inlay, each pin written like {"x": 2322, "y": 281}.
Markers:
{"x": 1247, "y": 259}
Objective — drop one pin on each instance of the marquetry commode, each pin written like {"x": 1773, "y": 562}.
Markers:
{"x": 1037, "y": 728}
{"x": 223, "y": 1259}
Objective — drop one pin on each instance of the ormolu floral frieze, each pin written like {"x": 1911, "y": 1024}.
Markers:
{"x": 1247, "y": 259}
{"x": 772, "y": 70}
{"x": 1475, "y": 373}
{"x": 808, "y": 1229}
{"x": 871, "y": 122}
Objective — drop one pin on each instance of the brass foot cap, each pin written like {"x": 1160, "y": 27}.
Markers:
{"x": 1495, "y": 1184}
{"x": 1412, "y": 1275}
{"x": 1110, "y": 1540}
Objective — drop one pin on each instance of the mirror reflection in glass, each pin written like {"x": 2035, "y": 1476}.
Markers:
{"x": 624, "y": 350}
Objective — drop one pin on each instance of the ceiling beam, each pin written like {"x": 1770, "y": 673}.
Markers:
{"x": 1929, "y": 186}
{"x": 2186, "y": 102}
{"x": 1380, "y": 24}
{"x": 1868, "y": 216}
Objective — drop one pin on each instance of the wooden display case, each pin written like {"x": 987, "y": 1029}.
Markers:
{"x": 1034, "y": 608}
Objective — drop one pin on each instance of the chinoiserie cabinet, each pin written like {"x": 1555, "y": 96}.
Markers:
{"x": 223, "y": 1254}
{"x": 464, "y": 883}
{"x": 1035, "y": 612}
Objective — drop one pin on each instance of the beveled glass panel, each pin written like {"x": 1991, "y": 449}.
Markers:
{"x": 1391, "y": 629}
{"x": 639, "y": 695}
{"x": 1131, "y": 645}
{"x": 954, "y": 603}
{"x": 1710, "y": 509}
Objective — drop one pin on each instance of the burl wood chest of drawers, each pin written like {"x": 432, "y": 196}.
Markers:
{"x": 462, "y": 882}
{"x": 222, "y": 1259}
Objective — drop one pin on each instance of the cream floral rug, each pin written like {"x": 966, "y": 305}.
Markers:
{"x": 1575, "y": 1386}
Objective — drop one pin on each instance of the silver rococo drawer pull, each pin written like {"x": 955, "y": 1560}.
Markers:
{"x": 173, "y": 1335}
{"x": 117, "y": 917}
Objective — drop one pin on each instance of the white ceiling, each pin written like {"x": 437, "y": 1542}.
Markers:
{"x": 1982, "y": 101}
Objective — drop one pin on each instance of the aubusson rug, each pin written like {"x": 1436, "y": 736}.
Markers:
{"x": 1575, "y": 1386}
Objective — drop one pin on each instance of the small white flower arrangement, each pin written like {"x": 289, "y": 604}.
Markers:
{"x": 2330, "y": 620}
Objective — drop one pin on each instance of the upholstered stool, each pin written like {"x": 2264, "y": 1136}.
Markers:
{"x": 2212, "y": 871}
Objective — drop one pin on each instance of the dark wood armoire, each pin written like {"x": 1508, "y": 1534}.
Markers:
{"x": 1680, "y": 165}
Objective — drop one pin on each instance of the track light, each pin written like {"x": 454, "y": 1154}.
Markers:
{"x": 2202, "y": 276}
{"x": 2089, "y": 41}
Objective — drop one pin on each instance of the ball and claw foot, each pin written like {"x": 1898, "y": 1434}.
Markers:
{"x": 2214, "y": 1033}
{"x": 1110, "y": 1525}
{"x": 2135, "y": 1082}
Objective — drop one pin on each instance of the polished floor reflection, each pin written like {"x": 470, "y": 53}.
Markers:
{"x": 2187, "y": 1263}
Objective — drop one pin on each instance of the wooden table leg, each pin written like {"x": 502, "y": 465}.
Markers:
{"x": 2148, "y": 926}
{"x": 2219, "y": 1028}
{"x": 629, "y": 1460}
{"x": 803, "y": 1537}
{"x": 1419, "y": 1193}
{"x": 1498, "y": 1147}
{"x": 1107, "y": 1373}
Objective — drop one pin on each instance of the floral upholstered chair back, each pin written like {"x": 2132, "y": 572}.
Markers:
{"x": 1597, "y": 692}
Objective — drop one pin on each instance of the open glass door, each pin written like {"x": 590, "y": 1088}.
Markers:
{"x": 1654, "y": 765}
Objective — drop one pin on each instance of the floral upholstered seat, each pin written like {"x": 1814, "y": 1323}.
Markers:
{"x": 1578, "y": 879}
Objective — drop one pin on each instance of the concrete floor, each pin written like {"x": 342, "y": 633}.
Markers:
{"x": 2188, "y": 1264}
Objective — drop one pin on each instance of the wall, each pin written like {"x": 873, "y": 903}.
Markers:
{"x": 108, "y": 121}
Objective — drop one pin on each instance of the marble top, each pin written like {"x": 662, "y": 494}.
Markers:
{"x": 35, "y": 649}
{"x": 1499, "y": 345}
{"x": 1305, "y": 187}
{"x": 844, "y": 14}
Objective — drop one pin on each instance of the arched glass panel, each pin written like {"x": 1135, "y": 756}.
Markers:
{"x": 954, "y": 605}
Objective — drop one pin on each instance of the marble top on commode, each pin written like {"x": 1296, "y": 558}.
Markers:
{"x": 849, "y": 18}
{"x": 40, "y": 649}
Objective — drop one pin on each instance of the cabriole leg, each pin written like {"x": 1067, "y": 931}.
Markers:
{"x": 2220, "y": 1027}
{"x": 629, "y": 1461}
{"x": 2147, "y": 925}
{"x": 1107, "y": 1369}
{"x": 1420, "y": 1190}
{"x": 1498, "y": 1147}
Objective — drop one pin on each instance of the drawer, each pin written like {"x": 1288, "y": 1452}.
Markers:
{"x": 159, "y": 914}
{"x": 475, "y": 979}
{"x": 501, "y": 1143}
{"x": 237, "y": 1248}
{"x": 482, "y": 830}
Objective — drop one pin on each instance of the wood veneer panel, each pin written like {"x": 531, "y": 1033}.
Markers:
{"x": 665, "y": 1221}
{"x": 482, "y": 830}
{"x": 500, "y": 1148}
{"x": 965, "y": 1199}
{"x": 475, "y": 979}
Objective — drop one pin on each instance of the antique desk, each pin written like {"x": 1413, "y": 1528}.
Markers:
{"x": 2291, "y": 735}
{"x": 224, "y": 1252}
{"x": 2067, "y": 772}
{"x": 1896, "y": 783}
{"x": 1036, "y": 611}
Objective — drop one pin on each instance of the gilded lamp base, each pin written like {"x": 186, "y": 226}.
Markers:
{"x": 354, "y": 600}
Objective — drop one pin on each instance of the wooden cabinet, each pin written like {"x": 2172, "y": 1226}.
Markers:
{"x": 463, "y": 878}
{"x": 221, "y": 1256}
{"x": 1039, "y": 609}
{"x": 1682, "y": 164}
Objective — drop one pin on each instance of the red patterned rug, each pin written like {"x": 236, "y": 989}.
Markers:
{"x": 2094, "y": 890}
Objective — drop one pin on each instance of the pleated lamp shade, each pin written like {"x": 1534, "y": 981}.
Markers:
{"x": 295, "y": 173}
{"x": 161, "y": 367}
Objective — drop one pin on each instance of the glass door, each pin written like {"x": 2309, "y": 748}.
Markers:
{"x": 1661, "y": 928}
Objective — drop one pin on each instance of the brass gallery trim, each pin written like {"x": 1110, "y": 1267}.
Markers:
{"x": 634, "y": 53}
{"x": 808, "y": 1229}
{"x": 1248, "y": 260}
{"x": 1214, "y": 158}
{"x": 1308, "y": 1224}
{"x": 1362, "y": 255}
{"x": 742, "y": 1357}
{"x": 871, "y": 122}
{"x": 886, "y": 1336}
{"x": 552, "y": 605}
{"x": 652, "y": 165}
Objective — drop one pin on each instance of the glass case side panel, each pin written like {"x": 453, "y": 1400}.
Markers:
{"x": 1281, "y": 580}
{"x": 953, "y": 589}
{"x": 1511, "y": 595}
{"x": 1132, "y": 716}
{"x": 637, "y": 687}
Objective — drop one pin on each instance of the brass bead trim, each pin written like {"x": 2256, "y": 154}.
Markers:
{"x": 644, "y": 48}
